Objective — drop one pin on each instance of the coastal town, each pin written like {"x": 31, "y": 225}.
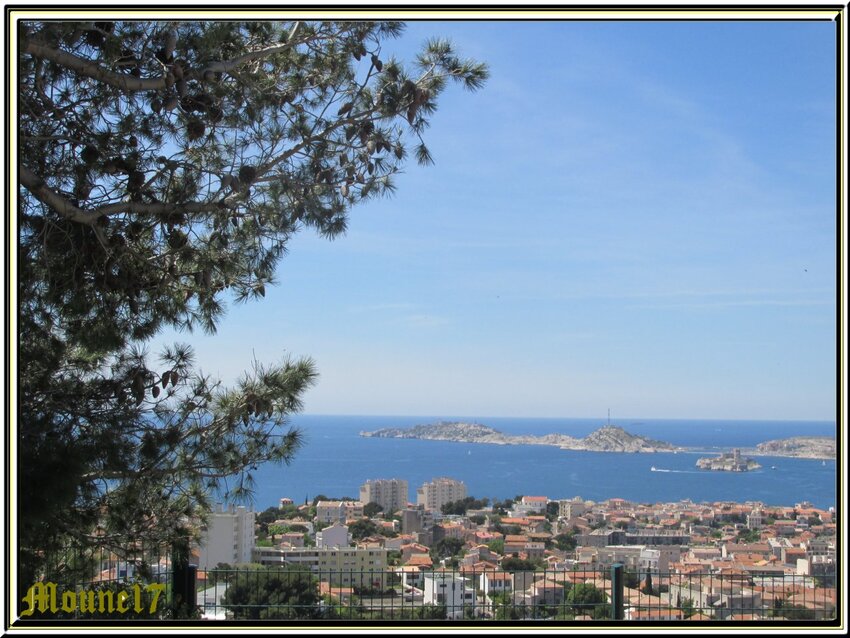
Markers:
{"x": 682, "y": 560}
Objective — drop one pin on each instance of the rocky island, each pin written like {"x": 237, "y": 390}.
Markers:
{"x": 728, "y": 462}
{"x": 804, "y": 447}
{"x": 609, "y": 438}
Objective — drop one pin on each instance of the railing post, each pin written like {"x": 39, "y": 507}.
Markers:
{"x": 185, "y": 575}
{"x": 617, "y": 584}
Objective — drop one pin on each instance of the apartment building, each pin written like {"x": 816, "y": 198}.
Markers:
{"x": 821, "y": 546}
{"x": 645, "y": 536}
{"x": 228, "y": 536}
{"x": 363, "y": 567}
{"x": 390, "y": 494}
{"x": 571, "y": 508}
{"x": 338, "y": 511}
{"x": 433, "y": 495}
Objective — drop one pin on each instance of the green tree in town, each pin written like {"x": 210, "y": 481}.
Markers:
{"x": 687, "y": 607}
{"x": 446, "y": 547}
{"x": 372, "y": 509}
{"x": 502, "y": 507}
{"x": 362, "y": 528}
{"x": 276, "y": 529}
{"x": 266, "y": 517}
{"x": 504, "y": 607}
{"x": 565, "y": 541}
{"x": 749, "y": 536}
{"x": 220, "y": 573}
{"x": 163, "y": 168}
{"x": 520, "y": 565}
{"x": 630, "y": 579}
{"x": 273, "y": 592}
{"x": 587, "y": 599}
{"x": 431, "y": 612}
{"x": 460, "y": 507}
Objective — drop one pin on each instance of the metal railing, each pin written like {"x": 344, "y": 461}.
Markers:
{"x": 592, "y": 595}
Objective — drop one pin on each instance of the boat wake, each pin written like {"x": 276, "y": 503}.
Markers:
{"x": 658, "y": 469}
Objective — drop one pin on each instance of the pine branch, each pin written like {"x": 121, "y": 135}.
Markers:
{"x": 93, "y": 70}
{"x": 132, "y": 84}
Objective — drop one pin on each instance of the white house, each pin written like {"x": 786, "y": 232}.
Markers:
{"x": 449, "y": 589}
{"x": 649, "y": 561}
{"x": 493, "y": 582}
{"x": 411, "y": 576}
{"x": 530, "y": 505}
{"x": 334, "y": 536}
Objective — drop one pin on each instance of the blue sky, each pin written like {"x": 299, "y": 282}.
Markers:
{"x": 638, "y": 216}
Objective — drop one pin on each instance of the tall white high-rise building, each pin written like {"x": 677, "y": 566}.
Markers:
{"x": 390, "y": 494}
{"x": 433, "y": 495}
{"x": 228, "y": 537}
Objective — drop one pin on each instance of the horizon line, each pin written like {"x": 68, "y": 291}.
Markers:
{"x": 603, "y": 419}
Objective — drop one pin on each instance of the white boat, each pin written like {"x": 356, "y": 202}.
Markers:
{"x": 652, "y": 469}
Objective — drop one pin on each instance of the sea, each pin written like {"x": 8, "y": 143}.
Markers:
{"x": 335, "y": 460}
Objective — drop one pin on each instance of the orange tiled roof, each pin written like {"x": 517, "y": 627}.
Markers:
{"x": 498, "y": 576}
{"x": 420, "y": 560}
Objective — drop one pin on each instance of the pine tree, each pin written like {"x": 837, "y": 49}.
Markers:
{"x": 164, "y": 166}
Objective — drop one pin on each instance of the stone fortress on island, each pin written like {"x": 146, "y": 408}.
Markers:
{"x": 728, "y": 462}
